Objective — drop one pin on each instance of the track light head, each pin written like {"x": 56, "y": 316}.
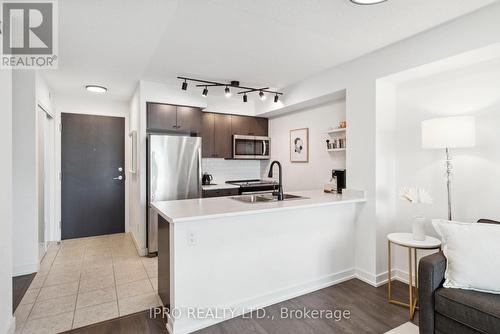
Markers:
{"x": 245, "y": 97}
{"x": 205, "y": 92}
{"x": 262, "y": 95}
{"x": 276, "y": 98}
{"x": 184, "y": 85}
{"x": 227, "y": 91}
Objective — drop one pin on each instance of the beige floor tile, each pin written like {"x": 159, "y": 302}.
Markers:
{"x": 56, "y": 278}
{"x": 123, "y": 267}
{"x": 22, "y": 312}
{"x": 60, "y": 290}
{"x": 38, "y": 281}
{"x": 96, "y": 297}
{"x": 95, "y": 272}
{"x": 124, "y": 261}
{"x": 97, "y": 283}
{"x": 67, "y": 266}
{"x": 49, "y": 325}
{"x": 89, "y": 315}
{"x": 137, "y": 303}
{"x": 123, "y": 277}
{"x": 98, "y": 257}
{"x": 134, "y": 288}
{"x": 19, "y": 328}
{"x": 30, "y": 296}
{"x": 52, "y": 307}
{"x": 96, "y": 262}
{"x": 154, "y": 283}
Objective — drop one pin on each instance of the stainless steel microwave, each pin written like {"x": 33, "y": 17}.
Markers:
{"x": 251, "y": 147}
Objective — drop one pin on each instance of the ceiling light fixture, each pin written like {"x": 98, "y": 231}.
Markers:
{"x": 262, "y": 96}
{"x": 96, "y": 89}
{"x": 233, "y": 84}
{"x": 276, "y": 98}
{"x": 367, "y": 2}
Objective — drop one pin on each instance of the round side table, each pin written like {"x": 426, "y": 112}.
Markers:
{"x": 406, "y": 240}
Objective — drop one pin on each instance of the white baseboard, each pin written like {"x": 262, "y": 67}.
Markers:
{"x": 140, "y": 251}
{"x": 270, "y": 298}
{"x": 382, "y": 278}
{"x": 25, "y": 269}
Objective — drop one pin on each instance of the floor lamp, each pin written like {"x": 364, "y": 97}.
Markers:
{"x": 447, "y": 133}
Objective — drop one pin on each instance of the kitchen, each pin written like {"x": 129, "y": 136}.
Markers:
{"x": 247, "y": 203}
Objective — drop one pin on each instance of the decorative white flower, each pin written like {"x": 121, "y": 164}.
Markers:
{"x": 416, "y": 195}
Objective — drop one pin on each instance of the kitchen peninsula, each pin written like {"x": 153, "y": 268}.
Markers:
{"x": 222, "y": 257}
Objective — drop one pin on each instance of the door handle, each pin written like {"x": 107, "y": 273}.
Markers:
{"x": 118, "y": 178}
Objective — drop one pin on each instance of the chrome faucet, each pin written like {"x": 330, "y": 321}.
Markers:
{"x": 278, "y": 193}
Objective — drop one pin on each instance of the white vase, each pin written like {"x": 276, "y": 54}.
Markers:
{"x": 418, "y": 228}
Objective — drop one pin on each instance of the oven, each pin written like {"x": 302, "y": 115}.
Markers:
{"x": 251, "y": 147}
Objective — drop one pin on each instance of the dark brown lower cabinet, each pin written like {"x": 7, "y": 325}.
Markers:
{"x": 221, "y": 192}
{"x": 164, "y": 260}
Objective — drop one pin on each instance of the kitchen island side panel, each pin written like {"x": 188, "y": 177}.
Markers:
{"x": 251, "y": 261}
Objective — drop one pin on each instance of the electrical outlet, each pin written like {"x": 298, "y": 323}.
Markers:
{"x": 191, "y": 238}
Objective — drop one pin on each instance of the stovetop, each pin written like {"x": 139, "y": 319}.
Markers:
{"x": 252, "y": 183}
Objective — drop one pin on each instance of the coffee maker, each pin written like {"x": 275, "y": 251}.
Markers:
{"x": 338, "y": 180}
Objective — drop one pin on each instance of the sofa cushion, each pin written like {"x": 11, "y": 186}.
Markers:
{"x": 445, "y": 325}
{"x": 478, "y": 310}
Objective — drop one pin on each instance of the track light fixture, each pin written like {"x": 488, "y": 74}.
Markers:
{"x": 233, "y": 84}
{"x": 262, "y": 96}
{"x": 367, "y": 2}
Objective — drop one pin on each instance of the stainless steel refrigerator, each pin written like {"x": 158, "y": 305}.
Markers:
{"x": 174, "y": 173}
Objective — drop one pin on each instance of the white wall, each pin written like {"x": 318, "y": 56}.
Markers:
{"x": 359, "y": 77}
{"x": 7, "y": 324}
{"x": 318, "y": 171}
{"x": 472, "y": 90}
{"x": 24, "y": 164}
{"x": 91, "y": 105}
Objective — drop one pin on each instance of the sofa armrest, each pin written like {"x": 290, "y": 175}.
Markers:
{"x": 430, "y": 277}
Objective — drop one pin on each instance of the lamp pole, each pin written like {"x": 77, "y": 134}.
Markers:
{"x": 449, "y": 170}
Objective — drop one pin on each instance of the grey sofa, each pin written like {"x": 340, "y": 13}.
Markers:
{"x": 454, "y": 311}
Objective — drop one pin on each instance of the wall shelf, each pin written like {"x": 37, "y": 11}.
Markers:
{"x": 337, "y": 130}
{"x": 336, "y": 150}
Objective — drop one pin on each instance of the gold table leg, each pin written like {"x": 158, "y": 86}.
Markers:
{"x": 412, "y": 291}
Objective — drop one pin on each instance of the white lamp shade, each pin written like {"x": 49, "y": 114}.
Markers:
{"x": 449, "y": 132}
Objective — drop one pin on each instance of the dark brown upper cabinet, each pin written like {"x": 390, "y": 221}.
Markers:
{"x": 207, "y": 135}
{"x": 189, "y": 119}
{"x": 222, "y": 136}
{"x": 171, "y": 118}
{"x": 246, "y": 125}
{"x": 216, "y": 135}
{"x": 161, "y": 117}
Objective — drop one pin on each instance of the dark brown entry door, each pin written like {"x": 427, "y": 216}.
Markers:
{"x": 93, "y": 175}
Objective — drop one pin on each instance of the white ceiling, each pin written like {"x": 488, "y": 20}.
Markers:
{"x": 259, "y": 42}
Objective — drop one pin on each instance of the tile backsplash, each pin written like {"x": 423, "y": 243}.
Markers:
{"x": 224, "y": 170}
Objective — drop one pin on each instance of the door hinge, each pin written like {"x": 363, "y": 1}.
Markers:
{"x": 60, "y": 127}
{"x": 60, "y": 225}
{"x": 60, "y": 176}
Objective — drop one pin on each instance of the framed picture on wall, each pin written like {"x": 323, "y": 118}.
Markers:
{"x": 299, "y": 145}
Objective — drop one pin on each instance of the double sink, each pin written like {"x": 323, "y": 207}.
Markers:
{"x": 264, "y": 198}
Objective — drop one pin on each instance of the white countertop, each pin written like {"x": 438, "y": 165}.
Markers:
{"x": 219, "y": 185}
{"x": 204, "y": 208}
